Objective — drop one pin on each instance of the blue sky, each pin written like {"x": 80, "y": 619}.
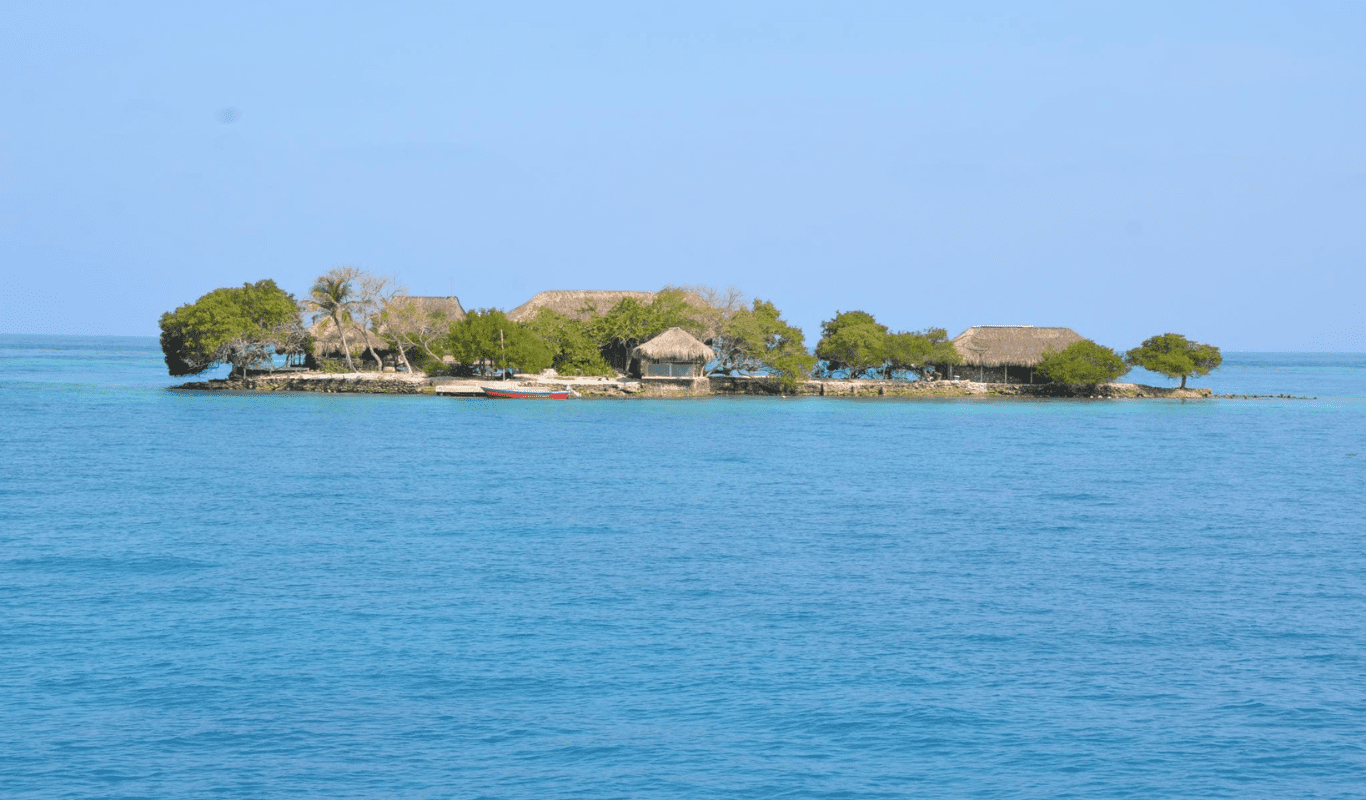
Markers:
{"x": 1123, "y": 169}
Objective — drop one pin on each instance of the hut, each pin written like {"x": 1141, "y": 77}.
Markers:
{"x": 673, "y": 354}
{"x": 1005, "y": 353}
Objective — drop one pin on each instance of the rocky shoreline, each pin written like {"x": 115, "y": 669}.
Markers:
{"x": 715, "y": 386}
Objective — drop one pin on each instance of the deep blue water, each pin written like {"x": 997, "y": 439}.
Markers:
{"x": 236, "y": 596}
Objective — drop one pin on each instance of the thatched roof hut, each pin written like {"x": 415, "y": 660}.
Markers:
{"x": 675, "y": 344}
{"x": 1010, "y": 345}
{"x": 675, "y": 353}
{"x": 572, "y": 304}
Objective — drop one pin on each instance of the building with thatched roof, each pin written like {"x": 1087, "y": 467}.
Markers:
{"x": 578, "y": 305}
{"x": 675, "y": 353}
{"x": 1005, "y": 353}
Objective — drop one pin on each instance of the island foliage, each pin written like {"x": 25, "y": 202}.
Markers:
{"x": 855, "y": 343}
{"x": 1175, "y": 356}
{"x": 1083, "y": 362}
{"x": 241, "y": 326}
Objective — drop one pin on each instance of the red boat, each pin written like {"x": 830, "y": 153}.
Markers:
{"x": 525, "y": 394}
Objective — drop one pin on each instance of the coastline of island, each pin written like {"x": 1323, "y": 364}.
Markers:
{"x": 711, "y": 386}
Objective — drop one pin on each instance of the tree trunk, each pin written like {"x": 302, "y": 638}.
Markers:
{"x": 341, "y": 332}
{"x": 1183, "y": 381}
{"x": 368, "y": 346}
{"x": 403, "y": 356}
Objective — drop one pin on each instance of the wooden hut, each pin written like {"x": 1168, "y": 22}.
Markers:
{"x": 1005, "y": 353}
{"x": 675, "y": 353}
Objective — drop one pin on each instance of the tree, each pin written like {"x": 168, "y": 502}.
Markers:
{"x": 853, "y": 341}
{"x": 373, "y": 293}
{"x": 407, "y": 325}
{"x": 334, "y": 296}
{"x": 575, "y": 351}
{"x": 489, "y": 338}
{"x": 238, "y": 326}
{"x": 1175, "y": 356}
{"x": 1082, "y": 362}
{"x": 915, "y": 351}
{"x": 758, "y": 340}
{"x": 630, "y": 322}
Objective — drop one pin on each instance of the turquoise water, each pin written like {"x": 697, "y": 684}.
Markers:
{"x": 237, "y": 596}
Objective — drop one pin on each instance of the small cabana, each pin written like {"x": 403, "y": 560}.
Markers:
{"x": 675, "y": 353}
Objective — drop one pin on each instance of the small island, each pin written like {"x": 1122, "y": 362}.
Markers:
{"x": 356, "y": 332}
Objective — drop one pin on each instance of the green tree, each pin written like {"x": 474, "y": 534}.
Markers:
{"x": 630, "y": 322}
{"x": 915, "y": 351}
{"x": 1175, "y": 356}
{"x": 758, "y": 340}
{"x": 335, "y": 296}
{"x": 489, "y": 338}
{"x": 576, "y": 353}
{"x": 854, "y": 342}
{"x": 1082, "y": 362}
{"x": 238, "y": 326}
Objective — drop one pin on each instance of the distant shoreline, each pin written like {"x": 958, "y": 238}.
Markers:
{"x": 714, "y": 386}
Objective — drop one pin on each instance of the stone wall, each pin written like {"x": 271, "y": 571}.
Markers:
{"x": 348, "y": 383}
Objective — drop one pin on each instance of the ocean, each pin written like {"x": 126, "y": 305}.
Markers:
{"x": 221, "y": 595}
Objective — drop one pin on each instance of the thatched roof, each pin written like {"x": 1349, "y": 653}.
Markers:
{"x": 1013, "y": 345}
{"x": 451, "y": 305}
{"x": 675, "y": 344}
{"x": 572, "y": 303}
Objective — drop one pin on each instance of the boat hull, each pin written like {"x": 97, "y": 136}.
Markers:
{"x": 524, "y": 394}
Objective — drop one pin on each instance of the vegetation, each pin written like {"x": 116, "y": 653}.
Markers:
{"x": 1082, "y": 362}
{"x": 410, "y": 329}
{"x": 487, "y": 341}
{"x": 758, "y": 340}
{"x": 1175, "y": 356}
{"x": 855, "y": 343}
{"x": 238, "y": 326}
{"x": 630, "y": 322}
{"x": 352, "y": 299}
{"x": 576, "y": 352}
{"x": 852, "y": 342}
{"x": 334, "y": 297}
{"x": 913, "y": 352}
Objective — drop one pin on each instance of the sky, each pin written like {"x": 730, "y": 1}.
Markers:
{"x": 1125, "y": 169}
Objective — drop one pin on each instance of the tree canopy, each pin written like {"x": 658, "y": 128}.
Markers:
{"x": 238, "y": 326}
{"x": 409, "y": 327}
{"x": 1082, "y": 362}
{"x": 853, "y": 342}
{"x": 334, "y": 296}
{"x": 630, "y": 322}
{"x": 488, "y": 338}
{"x": 915, "y": 351}
{"x": 1175, "y": 356}
{"x": 758, "y": 340}
{"x": 575, "y": 351}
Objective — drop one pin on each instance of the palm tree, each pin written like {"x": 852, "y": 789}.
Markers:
{"x": 334, "y": 295}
